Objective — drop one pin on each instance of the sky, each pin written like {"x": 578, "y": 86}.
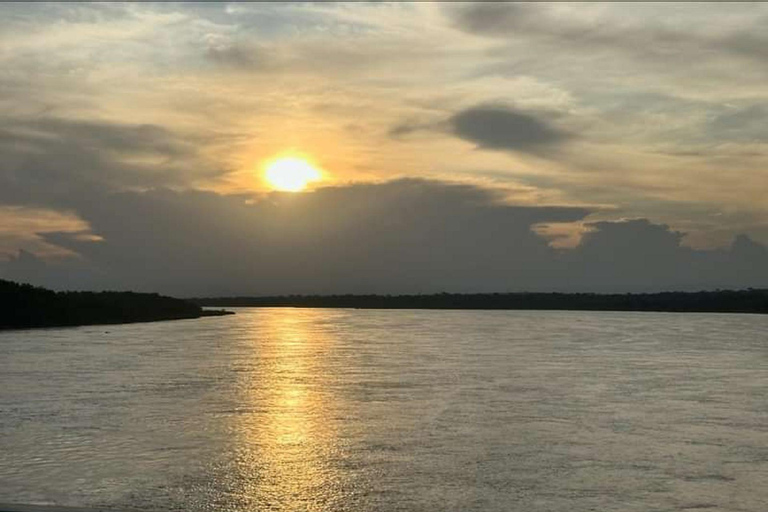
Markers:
{"x": 460, "y": 147}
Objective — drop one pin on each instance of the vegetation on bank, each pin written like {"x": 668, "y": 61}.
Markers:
{"x": 24, "y": 305}
{"x": 719, "y": 301}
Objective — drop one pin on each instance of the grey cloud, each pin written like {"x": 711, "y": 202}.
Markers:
{"x": 502, "y": 19}
{"x": 403, "y": 129}
{"x": 491, "y": 18}
{"x": 32, "y": 14}
{"x": 47, "y": 159}
{"x": 118, "y": 138}
{"x": 649, "y": 40}
{"x": 405, "y": 236}
{"x": 240, "y": 57}
{"x": 747, "y": 124}
{"x": 24, "y": 267}
{"x": 746, "y": 44}
{"x": 409, "y": 127}
{"x": 637, "y": 255}
{"x": 501, "y": 128}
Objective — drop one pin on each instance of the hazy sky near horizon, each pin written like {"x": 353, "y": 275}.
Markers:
{"x": 485, "y": 146}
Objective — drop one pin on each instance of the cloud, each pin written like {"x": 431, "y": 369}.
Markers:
{"x": 47, "y": 159}
{"x": 502, "y": 128}
{"x": 405, "y": 128}
{"x": 406, "y": 235}
{"x": 491, "y": 18}
{"x": 403, "y": 236}
{"x": 21, "y": 227}
{"x": 746, "y": 124}
{"x": 638, "y": 255}
{"x": 24, "y": 267}
{"x": 238, "y": 55}
{"x": 688, "y": 51}
{"x": 409, "y": 127}
{"x": 653, "y": 32}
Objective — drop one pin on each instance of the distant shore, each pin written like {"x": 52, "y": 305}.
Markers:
{"x": 23, "y": 306}
{"x": 718, "y": 301}
{"x": 215, "y": 312}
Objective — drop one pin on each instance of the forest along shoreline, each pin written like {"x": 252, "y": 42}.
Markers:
{"x": 25, "y": 306}
{"x": 718, "y": 301}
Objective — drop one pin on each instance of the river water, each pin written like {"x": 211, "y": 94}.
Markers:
{"x": 372, "y": 410}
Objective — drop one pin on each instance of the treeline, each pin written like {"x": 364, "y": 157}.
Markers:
{"x": 725, "y": 301}
{"x": 23, "y": 305}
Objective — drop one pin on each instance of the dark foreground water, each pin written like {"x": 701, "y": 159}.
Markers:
{"x": 330, "y": 410}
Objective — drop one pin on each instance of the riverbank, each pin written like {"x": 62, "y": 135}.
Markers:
{"x": 24, "y": 306}
{"x": 718, "y": 301}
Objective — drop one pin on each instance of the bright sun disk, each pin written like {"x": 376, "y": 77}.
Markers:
{"x": 290, "y": 174}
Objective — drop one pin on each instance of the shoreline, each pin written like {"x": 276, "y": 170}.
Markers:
{"x": 23, "y": 306}
{"x": 749, "y": 301}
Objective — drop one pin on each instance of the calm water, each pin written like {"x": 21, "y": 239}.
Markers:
{"x": 330, "y": 410}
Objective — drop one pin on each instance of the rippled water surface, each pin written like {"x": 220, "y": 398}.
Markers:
{"x": 334, "y": 409}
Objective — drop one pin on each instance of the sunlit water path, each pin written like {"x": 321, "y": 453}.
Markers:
{"x": 323, "y": 410}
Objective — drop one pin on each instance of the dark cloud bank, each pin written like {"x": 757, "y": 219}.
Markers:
{"x": 406, "y": 236}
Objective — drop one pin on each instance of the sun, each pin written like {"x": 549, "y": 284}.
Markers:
{"x": 290, "y": 174}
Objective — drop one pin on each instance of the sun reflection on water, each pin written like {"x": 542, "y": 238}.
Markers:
{"x": 290, "y": 439}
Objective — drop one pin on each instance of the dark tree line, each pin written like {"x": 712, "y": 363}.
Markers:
{"x": 23, "y": 305}
{"x": 725, "y": 301}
